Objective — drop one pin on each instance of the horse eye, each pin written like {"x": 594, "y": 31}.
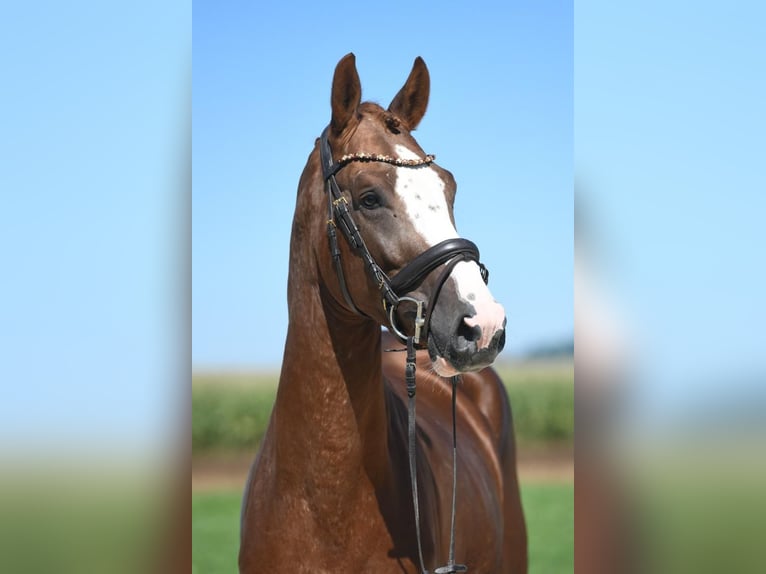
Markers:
{"x": 370, "y": 200}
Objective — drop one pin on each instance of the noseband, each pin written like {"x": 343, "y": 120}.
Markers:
{"x": 393, "y": 291}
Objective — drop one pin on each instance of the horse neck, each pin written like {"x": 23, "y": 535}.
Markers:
{"x": 330, "y": 412}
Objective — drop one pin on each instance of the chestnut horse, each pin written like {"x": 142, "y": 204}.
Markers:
{"x": 330, "y": 488}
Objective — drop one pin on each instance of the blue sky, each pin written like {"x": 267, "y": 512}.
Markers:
{"x": 500, "y": 118}
{"x": 94, "y": 132}
{"x": 669, "y": 149}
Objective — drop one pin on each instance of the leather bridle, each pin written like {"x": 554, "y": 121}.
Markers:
{"x": 411, "y": 276}
{"x": 393, "y": 291}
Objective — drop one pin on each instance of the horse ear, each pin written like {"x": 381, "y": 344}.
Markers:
{"x": 346, "y": 93}
{"x": 411, "y": 102}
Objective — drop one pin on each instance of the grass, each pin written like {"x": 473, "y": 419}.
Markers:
{"x": 549, "y": 510}
{"x": 215, "y": 532}
{"x": 542, "y": 400}
{"x": 230, "y": 415}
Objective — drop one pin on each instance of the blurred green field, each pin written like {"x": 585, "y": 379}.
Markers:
{"x": 549, "y": 512}
{"x": 230, "y": 411}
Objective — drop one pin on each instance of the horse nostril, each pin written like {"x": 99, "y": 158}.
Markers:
{"x": 500, "y": 336}
{"x": 467, "y": 334}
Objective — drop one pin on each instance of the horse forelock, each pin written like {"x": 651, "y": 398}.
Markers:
{"x": 386, "y": 120}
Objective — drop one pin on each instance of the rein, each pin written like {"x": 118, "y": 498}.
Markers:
{"x": 393, "y": 291}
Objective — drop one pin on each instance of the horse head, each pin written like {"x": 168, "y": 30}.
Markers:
{"x": 401, "y": 202}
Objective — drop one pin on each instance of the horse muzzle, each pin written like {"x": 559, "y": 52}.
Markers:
{"x": 466, "y": 341}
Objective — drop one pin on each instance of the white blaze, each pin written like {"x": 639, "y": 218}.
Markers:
{"x": 422, "y": 192}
